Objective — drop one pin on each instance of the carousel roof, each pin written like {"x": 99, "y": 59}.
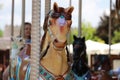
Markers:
{"x": 96, "y": 47}
{"x": 115, "y": 48}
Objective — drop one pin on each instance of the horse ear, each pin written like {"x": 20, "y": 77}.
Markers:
{"x": 74, "y": 37}
{"x": 70, "y": 9}
{"x": 55, "y": 7}
{"x": 83, "y": 38}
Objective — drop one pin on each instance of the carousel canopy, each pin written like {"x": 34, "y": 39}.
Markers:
{"x": 115, "y": 48}
{"x": 93, "y": 47}
{"x": 96, "y": 47}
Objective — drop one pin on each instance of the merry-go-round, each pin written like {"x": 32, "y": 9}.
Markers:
{"x": 50, "y": 58}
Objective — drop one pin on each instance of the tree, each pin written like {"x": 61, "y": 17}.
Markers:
{"x": 102, "y": 30}
{"x": 116, "y": 38}
{"x": 87, "y": 31}
{"x": 1, "y": 33}
{"x": 74, "y": 31}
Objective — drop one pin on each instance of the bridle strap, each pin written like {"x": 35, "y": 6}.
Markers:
{"x": 53, "y": 38}
{"x": 58, "y": 49}
{"x": 51, "y": 34}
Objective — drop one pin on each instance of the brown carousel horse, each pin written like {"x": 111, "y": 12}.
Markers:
{"x": 103, "y": 68}
{"x": 54, "y": 57}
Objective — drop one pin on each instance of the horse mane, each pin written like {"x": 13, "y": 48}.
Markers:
{"x": 42, "y": 41}
{"x": 45, "y": 25}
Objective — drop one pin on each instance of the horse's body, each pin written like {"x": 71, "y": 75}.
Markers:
{"x": 80, "y": 63}
{"x": 54, "y": 56}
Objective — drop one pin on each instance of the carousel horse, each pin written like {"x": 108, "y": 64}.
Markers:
{"x": 54, "y": 57}
{"x": 103, "y": 67}
{"x": 16, "y": 46}
{"x": 80, "y": 62}
{"x": 19, "y": 68}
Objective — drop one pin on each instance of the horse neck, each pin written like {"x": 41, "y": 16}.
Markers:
{"x": 45, "y": 41}
{"x": 55, "y": 61}
{"x": 82, "y": 54}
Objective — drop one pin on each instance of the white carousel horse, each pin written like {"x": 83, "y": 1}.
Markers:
{"x": 19, "y": 68}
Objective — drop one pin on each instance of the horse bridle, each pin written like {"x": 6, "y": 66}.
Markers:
{"x": 50, "y": 14}
{"x": 53, "y": 38}
{"x": 80, "y": 56}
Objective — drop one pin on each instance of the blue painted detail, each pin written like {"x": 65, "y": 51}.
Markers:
{"x": 19, "y": 61}
{"x": 27, "y": 75}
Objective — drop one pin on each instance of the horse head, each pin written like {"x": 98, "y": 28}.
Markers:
{"x": 16, "y": 46}
{"x": 80, "y": 66}
{"x": 57, "y": 24}
{"x": 79, "y": 48}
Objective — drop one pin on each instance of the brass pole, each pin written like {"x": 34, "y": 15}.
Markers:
{"x": 47, "y": 6}
{"x": 12, "y": 19}
{"x": 35, "y": 37}
{"x": 79, "y": 17}
{"x": 23, "y": 18}
{"x": 68, "y": 36}
{"x": 110, "y": 24}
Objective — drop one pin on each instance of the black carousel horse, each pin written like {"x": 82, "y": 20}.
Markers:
{"x": 80, "y": 62}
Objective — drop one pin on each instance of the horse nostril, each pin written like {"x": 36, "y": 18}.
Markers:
{"x": 76, "y": 46}
{"x": 61, "y": 21}
{"x": 56, "y": 40}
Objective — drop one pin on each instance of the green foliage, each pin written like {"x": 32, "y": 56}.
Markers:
{"x": 116, "y": 38}
{"x": 103, "y": 28}
{"x": 90, "y": 32}
{"x": 1, "y": 33}
{"x": 87, "y": 31}
{"x": 74, "y": 31}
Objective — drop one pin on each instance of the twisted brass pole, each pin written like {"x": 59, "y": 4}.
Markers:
{"x": 35, "y": 37}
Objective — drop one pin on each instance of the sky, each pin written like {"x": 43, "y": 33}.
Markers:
{"x": 91, "y": 11}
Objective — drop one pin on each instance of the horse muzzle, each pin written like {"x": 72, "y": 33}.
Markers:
{"x": 59, "y": 44}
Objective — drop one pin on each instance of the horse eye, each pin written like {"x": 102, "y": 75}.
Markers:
{"x": 67, "y": 16}
{"x": 20, "y": 40}
{"x": 55, "y": 15}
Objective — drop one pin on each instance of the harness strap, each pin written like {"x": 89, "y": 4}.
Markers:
{"x": 51, "y": 34}
{"x": 19, "y": 61}
{"x": 27, "y": 75}
{"x": 86, "y": 76}
{"x": 45, "y": 74}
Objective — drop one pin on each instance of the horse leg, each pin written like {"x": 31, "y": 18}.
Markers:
{"x": 23, "y": 70}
